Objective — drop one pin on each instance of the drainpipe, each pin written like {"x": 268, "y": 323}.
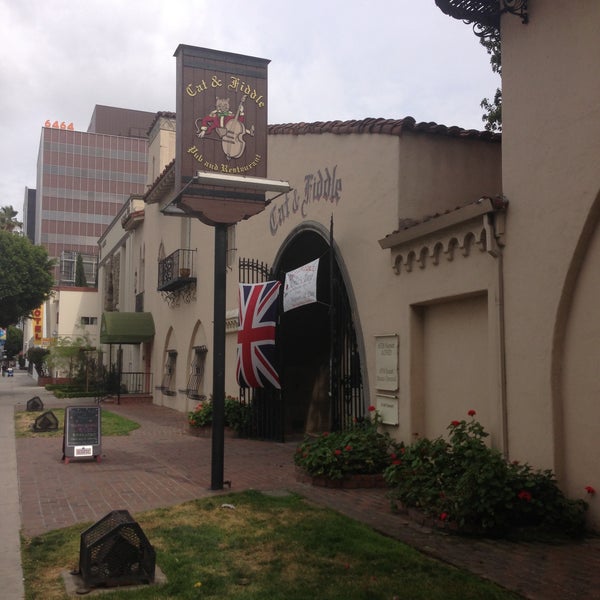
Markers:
{"x": 494, "y": 228}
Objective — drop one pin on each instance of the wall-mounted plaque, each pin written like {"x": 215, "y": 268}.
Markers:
{"x": 386, "y": 362}
{"x": 82, "y": 436}
{"x": 387, "y": 407}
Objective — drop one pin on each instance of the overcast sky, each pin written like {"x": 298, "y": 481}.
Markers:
{"x": 330, "y": 59}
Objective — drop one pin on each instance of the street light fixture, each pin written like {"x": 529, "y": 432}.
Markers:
{"x": 241, "y": 184}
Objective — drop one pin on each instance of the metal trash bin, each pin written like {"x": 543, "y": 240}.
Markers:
{"x": 46, "y": 422}
{"x": 34, "y": 404}
{"x": 115, "y": 551}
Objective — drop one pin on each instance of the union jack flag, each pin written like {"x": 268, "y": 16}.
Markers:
{"x": 256, "y": 335}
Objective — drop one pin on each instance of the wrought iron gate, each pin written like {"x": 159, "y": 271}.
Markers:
{"x": 264, "y": 406}
{"x": 346, "y": 388}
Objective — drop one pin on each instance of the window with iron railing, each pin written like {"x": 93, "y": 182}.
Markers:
{"x": 168, "y": 381}
{"x": 194, "y": 386}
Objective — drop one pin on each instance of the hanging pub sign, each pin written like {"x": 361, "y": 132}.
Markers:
{"x": 221, "y": 132}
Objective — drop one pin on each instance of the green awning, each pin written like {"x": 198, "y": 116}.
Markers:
{"x": 126, "y": 327}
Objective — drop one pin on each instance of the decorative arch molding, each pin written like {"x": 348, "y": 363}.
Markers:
{"x": 321, "y": 230}
{"x": 324, "y": 232}
{"x": 297, "y": 231}
{"x": 561, "y": 323}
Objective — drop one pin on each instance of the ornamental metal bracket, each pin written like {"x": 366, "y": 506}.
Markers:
{"x": 517, "y": 8}
{"x": 484, "y": 15}
{"x": 186, "y": 293}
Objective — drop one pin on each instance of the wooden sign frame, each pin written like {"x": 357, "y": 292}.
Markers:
{"x": 221, "y": 106}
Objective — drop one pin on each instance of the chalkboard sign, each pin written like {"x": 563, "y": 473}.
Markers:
{"x": 82, "y": 433}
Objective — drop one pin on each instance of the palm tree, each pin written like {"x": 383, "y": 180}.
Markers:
{"x": 8, "y": 221}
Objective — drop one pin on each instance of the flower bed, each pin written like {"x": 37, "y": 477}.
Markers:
{"x": 467, "y": 486}
{"x": 354, "y": 457}
{"x": 236, "y": 417}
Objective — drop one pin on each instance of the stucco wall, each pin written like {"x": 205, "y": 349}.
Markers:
{"x": 369, "y": 177}
{"x": 551, "y": 141}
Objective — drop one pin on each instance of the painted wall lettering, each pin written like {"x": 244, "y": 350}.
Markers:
{"x": 324, "y": 185}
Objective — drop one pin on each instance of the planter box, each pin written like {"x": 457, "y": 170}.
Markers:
{"x": 43, "y": 381}
{"x": 206, "y": 431}
{"x": 349, "y": 482}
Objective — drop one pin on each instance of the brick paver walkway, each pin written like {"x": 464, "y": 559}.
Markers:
{"x": 160, "y": 464}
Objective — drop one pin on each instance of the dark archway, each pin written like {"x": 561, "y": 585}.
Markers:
{"x": 314, "y": 343}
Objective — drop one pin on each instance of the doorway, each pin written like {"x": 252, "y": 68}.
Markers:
{"x": 321, "y": 372}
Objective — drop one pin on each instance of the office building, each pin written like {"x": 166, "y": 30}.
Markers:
{"x": 83, "y": 179}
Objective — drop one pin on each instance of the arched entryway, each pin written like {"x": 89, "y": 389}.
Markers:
{"x": 317, "y": 340}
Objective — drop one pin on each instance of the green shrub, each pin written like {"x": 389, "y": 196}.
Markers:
{"x": 237, "y": 415}
{"x": 464, "y": 481}
{"x": 201, "y": 416}
{"x": 37, "y": 356}
{"x": 361, "y": 449}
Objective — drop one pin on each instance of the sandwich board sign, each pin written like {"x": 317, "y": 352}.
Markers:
{"x": 82, "y": 437}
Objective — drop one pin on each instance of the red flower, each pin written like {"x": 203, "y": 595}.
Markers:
{"x": 471, "y": 413}
{"x": 372, "y": 408}
{"x": 348, "y": 448}
{"x": 397, "y": 462}
{"x": 393, "y": 455}
{"x": 524, "y": 495}
{"x": 590, "y": 490}
{"x": 444, "y": 516}
{"x": 455, "y": 423}
{"x": 325, "y": 433}
{"x": 337, "y": 451}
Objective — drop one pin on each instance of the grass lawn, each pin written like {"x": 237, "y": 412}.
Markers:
{"x": 112, "y": 424}
{"x": 263, "y": 547}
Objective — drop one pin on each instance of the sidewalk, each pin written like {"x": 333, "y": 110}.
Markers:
{"x": 160, "y": 465}
{"x": 11, "y": 574}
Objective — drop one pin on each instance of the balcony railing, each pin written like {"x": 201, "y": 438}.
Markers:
{"x": 176, "y": 270}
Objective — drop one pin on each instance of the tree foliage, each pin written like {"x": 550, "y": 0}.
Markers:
{"x": 25, "y": 277}
{"x": 14, "y": 342}
{"x": 36, "y": 356}
{"x": 80, "y": 278}
{"x": 8, "y": 220}
{"x": 492, "y": 117}
{"x": 67, "y": 353}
